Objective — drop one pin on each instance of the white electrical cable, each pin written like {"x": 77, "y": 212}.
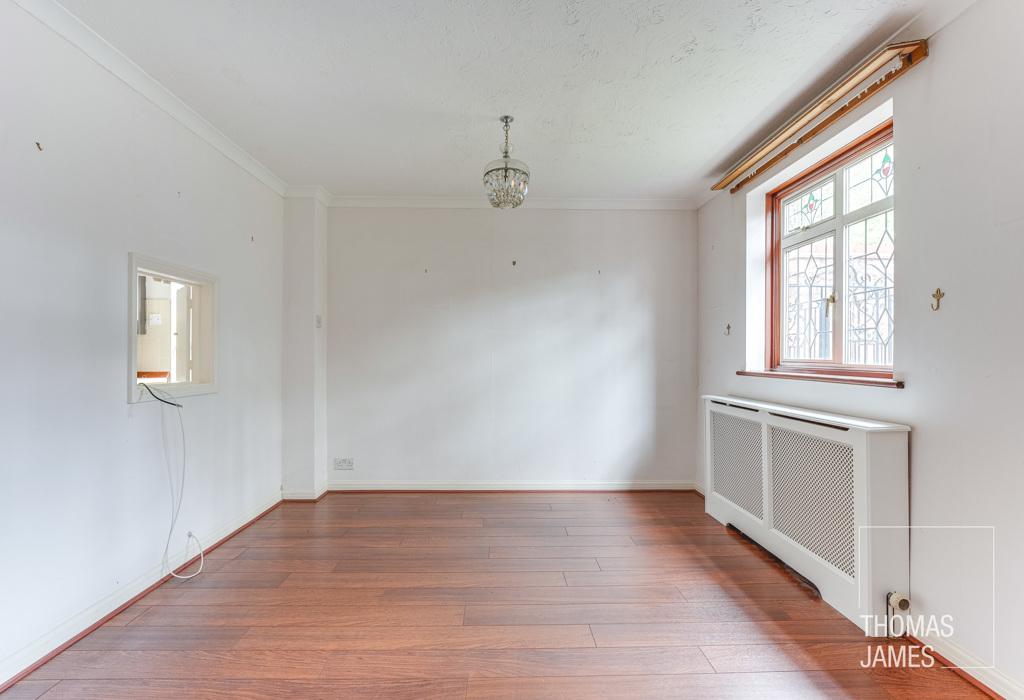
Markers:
{"x": 176, "y": 502}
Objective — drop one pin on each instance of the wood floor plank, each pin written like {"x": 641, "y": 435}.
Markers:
{"x": 467, "y": 565}
{"x": 566, "y": 520}
{"x": 646, "y": 530}
{"x": 210, "y": 566}
{"x": 190, "y": 665}
{"x": 616, "y": 506}
{"x": 355, "y": 496}
{"x": 487, "y": 595}
{"x": 686, "y": 538}
{"x": 125, "y": 617}
{"x": 813, "y": 656}
{"x": 395, "y": 564}
{"x": 140, "y": 637}
{"x": 557, "y": 595}
{"x": 434, "y": 511}
{"x": 539, "y": 517}
{"x": 480, "y": 509}
{"x": 678, "y": 577}
{"x": 713, "y": 633}
{"x": 695, "y": 591}
{"x": 314, "y": 540}
{"x": 301, "y": 616}
{"x": 503, "y": 541}
{"x": 664, "y": 553}
{"x": 525, "y": 531}
{"x": 643, "y": 613}
{"x": 649, "y": 563}
{"x": 417, "y": 638}
{"x": 346, "y": 552}
{"x": 356, "y": 521}
{"x": 265, "y": 579}
{"x": 515, "y": 663}
{"x": 471, "y": 579}
{"x": 696, "y": 686}
{"x": 328, "y": 503}
{"x": 27, "y": 690}
{"x": 288, "y": 566}
{"x": 465, "y": 509}
{"x": 281, "y": 527}
{"x": 225, "y": 552}
{"x": 551, "y": 594}
{"x": 443, "y": 689}
{"x": 559, "y": 552}
{"x": 505, "y": 498}
{"x": 913, "y": 684}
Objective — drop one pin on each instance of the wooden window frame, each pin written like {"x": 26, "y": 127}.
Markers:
{"x": 774, "y": 362}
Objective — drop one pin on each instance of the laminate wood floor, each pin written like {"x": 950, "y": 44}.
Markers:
{"x": 483, "y": 596}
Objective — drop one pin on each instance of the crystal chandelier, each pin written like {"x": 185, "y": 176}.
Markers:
{"x": 506, "y": 179}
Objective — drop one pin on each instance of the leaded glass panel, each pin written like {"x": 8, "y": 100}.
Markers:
{"x": 870, "y": 179}
{"x": 808, "y": 276}
{"x": 811, "y": 207}
{"x": 870, "y": 284}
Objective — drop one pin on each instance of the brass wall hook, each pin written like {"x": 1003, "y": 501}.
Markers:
{"x": 937, "y": 296}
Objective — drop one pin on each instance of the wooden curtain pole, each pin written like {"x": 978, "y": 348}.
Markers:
{"x": 909, "y": 54}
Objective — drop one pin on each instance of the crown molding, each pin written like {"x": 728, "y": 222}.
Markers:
{"x": 317, "y": 192}
{"x": 480, "y": 202}
{"x": 72, "y": 29}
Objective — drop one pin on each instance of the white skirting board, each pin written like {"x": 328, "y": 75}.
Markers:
{"x": 301, "y": 495}
{"x": 513, "y": 486}
{"x": 981, "y": 670}
{"x": 28, "y": 655}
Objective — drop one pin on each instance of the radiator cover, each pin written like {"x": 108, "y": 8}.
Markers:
{"x": 827, "y": 494}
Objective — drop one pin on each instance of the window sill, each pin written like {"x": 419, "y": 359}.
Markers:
{"x": 830, "y": 378}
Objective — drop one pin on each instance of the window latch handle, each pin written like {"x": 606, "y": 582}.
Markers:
{"x": 829, "y": 302}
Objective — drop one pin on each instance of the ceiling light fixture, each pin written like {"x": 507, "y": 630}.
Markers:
{"x": 506, "y": 179}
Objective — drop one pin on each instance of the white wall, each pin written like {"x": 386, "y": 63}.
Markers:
{"x": 959, "y": 227}
{"x": 447, "y": 365}
{"x": 83, "y": 484}
{"x": 304, "y": 384}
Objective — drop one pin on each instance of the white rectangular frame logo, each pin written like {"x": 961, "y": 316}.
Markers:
{"x": 991, "y": 528}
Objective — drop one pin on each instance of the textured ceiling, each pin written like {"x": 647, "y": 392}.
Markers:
{"x": 624, "y": 99}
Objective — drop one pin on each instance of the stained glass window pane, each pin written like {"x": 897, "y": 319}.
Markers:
{"x": 808, "y": 278}
{"x": 869, "y": 290}
{"x": 870, "y": 179}
{"x": 809, "y": 208}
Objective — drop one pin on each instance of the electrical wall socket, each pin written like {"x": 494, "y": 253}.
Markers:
{"x": 344, "y": 463}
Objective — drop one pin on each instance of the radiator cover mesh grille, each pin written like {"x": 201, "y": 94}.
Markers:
{"x": 813, "y": 495}
{"x": 736, "y": 462}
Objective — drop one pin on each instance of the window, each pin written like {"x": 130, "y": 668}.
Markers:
{"x": 171, "y": 329}
{"x": 832, "y": 266}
